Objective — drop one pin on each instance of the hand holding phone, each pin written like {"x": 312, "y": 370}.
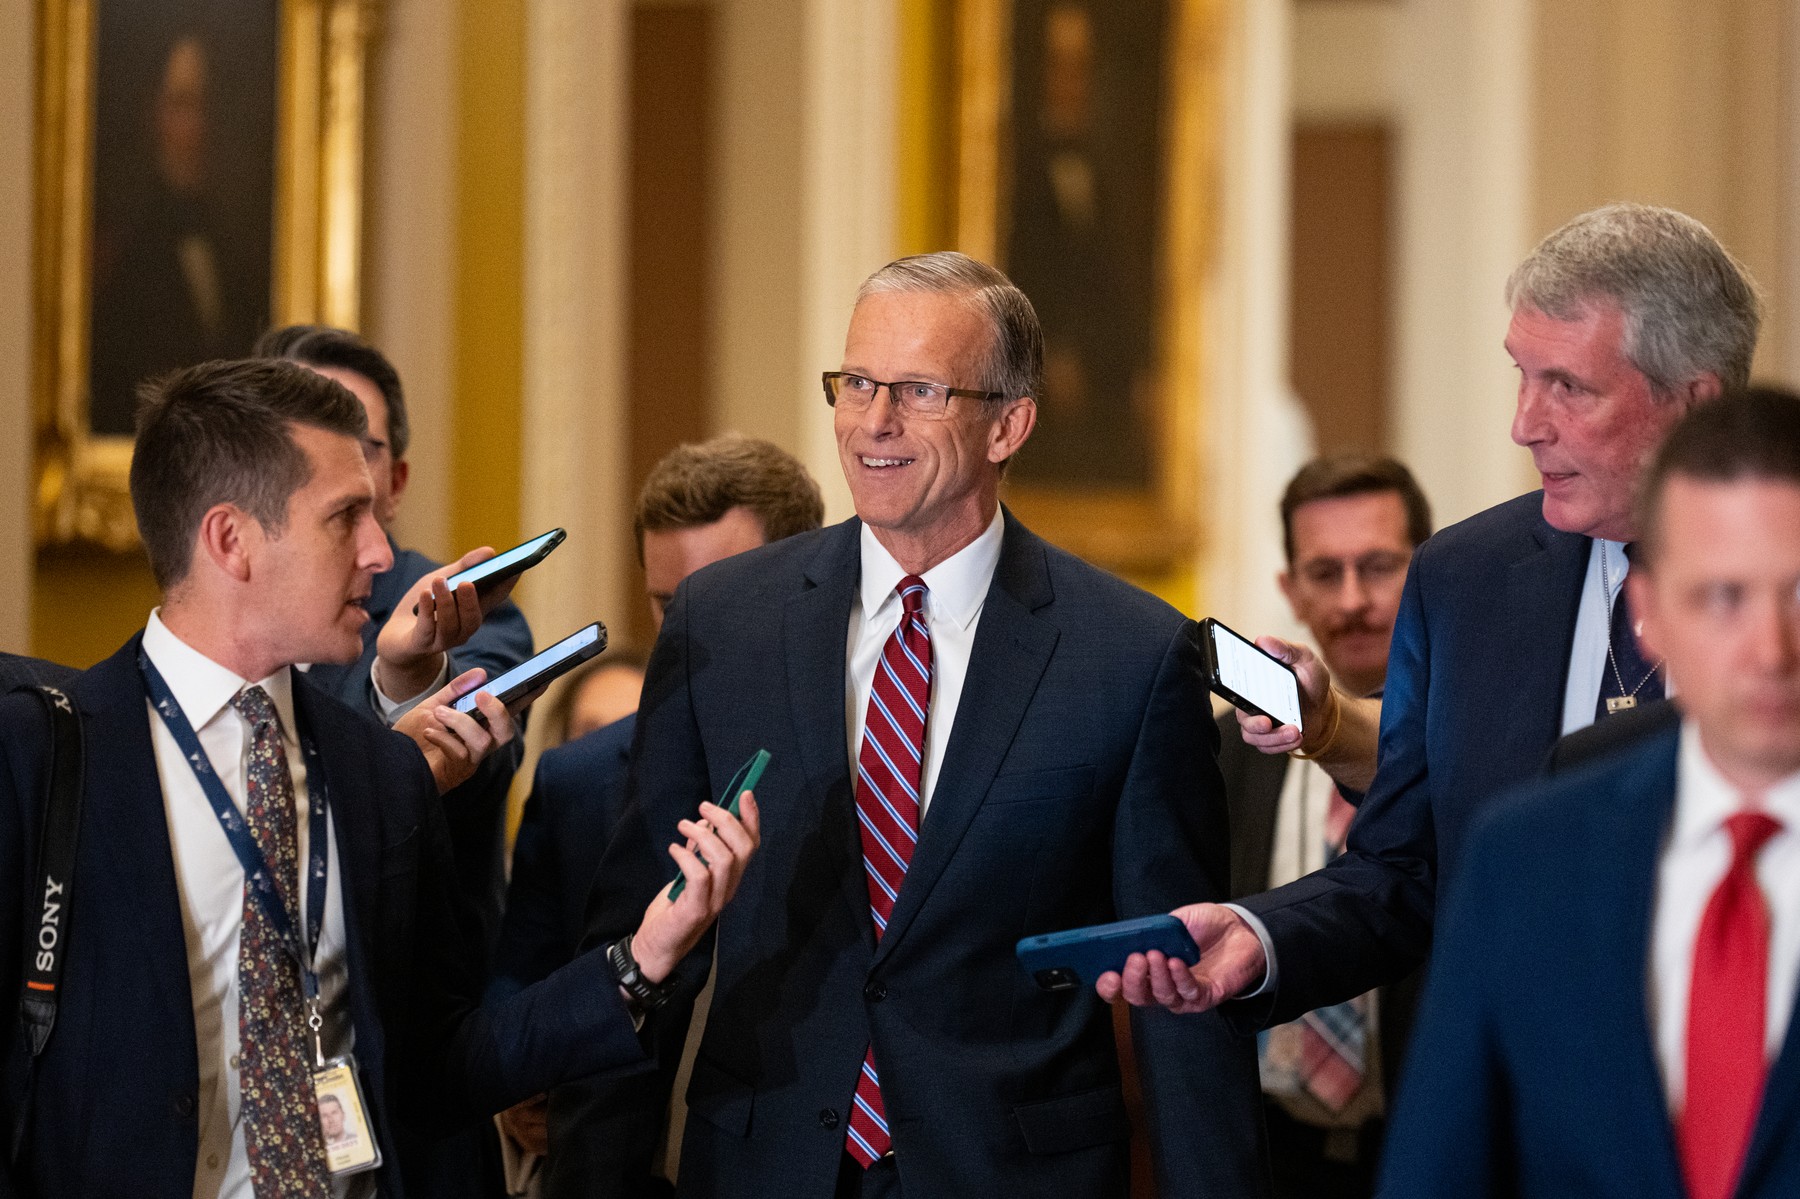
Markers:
{"x": 488, "y": 575}
{"x": 1250, "y": 677}
{"x": 746, "y": 778}
{"x": 1066, "y": 960}
{"x": 538, "y": 671}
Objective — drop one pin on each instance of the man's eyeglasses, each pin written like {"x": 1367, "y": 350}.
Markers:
{"x": 929, "y": 400}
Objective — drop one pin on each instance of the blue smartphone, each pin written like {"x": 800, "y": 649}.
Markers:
{"x": 748, "y": 775}
{"x": 1078, "y": 956}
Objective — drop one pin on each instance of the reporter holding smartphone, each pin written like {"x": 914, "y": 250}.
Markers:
{"x": 418, "y": 637}
{"x": 262, "y": 909}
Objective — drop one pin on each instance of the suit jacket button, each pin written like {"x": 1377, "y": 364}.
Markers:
{"x": 184, "y": 1105}
{"x": 875, "y": 992}
{"x": 827, "y": 1118}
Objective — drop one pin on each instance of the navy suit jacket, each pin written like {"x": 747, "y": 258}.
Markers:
{"x": 604, "y": 1131}
{"x": 113, "y": 1105}
{"x": 1533, "y": 1071}
{"x": 1253, "y": 785}
{"x": 16, "y": 670}
{"x": 1474, "y": 701}
{"x": 1078, "y": 786}
{"x": 475, "y": 811}
{"x": 576, "y": 800}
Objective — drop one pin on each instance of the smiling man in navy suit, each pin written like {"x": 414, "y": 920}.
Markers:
{"x": 1512, "y": 628}
{"x": 976, "y": 737}
{"x": 257, "y": 860}
{"x": 1610, "y": 1006}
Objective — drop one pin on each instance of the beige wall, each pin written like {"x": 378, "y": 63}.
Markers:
{"x": 17, "y": 79}
{"x": 1677, "y": 102}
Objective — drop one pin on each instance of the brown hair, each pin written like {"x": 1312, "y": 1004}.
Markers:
{"x": 1334, "y": 476}
{"x": 1751, "y": 434}
{"x": 697, "y": 484}
{"x": 220, "y": 433}
{"x": 324, "y": 346}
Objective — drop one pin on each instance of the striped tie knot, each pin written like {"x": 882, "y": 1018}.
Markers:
{"x": 912, "y": 595}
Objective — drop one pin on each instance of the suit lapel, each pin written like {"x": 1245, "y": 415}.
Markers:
{"x": 1537, "y": 634}
{"x": 1780, "y": 1113}
{"x": 358, "y": 838}
{"x": 815, "y": 630}
{"x": 1012, "y": 648}
{"x": 124, "y": 815}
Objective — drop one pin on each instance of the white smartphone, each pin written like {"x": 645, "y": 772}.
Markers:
{"x": 1250, "y": 678}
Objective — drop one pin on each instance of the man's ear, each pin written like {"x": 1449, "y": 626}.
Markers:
{"x": 1285, "y": 580}
{"x": 1703, "y": 388}
{"x": 1016, "y": 422}
{"x": 402, "y": 471}
{"x": 228, "y": 537}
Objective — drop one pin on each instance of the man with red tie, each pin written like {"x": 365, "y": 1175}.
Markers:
{"x": 1610, "y": 1000}
{"x": 976, "y": 737}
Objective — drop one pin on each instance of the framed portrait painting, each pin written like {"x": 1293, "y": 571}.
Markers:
{"x": 1084, "y": 158}
{"x": 199, "y": 178}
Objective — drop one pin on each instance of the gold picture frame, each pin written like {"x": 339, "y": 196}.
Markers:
{"x": 1147, "y": 523}
{"x": 314, "y": 232}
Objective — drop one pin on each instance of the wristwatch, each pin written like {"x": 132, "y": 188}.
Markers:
{"x": 645, "y": 996}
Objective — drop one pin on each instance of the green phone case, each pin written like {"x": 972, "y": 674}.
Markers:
{"x": 748, "y": 775}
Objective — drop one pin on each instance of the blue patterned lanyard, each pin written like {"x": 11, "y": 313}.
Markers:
{"x": 249, "y": 854}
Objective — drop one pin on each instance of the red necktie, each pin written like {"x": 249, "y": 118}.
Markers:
{"x": 1726, "y": 1019}
{"x": 888, "y": 769}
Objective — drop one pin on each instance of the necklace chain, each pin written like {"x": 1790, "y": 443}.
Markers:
{"x": 1611, "y": 657}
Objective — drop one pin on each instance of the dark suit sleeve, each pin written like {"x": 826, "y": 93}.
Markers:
{"x": 532, "y": 942}
{"x": 1171, "y": 846}
{"x": 1449, "y": 1132}
{"x": 479, "y": 1059}
{"x": 1365, "y": 919}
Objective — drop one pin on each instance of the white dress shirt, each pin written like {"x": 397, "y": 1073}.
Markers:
{"x": 1694, "y": 860}
{"x": 211, "y": 883}
{"x": 956, "y": 589}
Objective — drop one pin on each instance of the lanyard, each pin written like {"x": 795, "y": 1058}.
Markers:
{"x": 249, "y": 854}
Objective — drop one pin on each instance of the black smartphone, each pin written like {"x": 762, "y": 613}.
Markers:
{"x": 1250, "y": 678}
{"x": 1066, "y": 960}
{"x": 515, "y": 561}
{"x": 539, "y": 669}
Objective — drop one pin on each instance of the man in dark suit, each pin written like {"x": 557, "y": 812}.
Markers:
{"x": 1511, "y": 632}
{"x": 1349, "y": 523}
{"x": 1610, "y": 1005}
{"x": 700, "y": 504}
{"x": 180, "y": 1061}
{"x": 406, "y": 655}
{"x": 975, "y": 737}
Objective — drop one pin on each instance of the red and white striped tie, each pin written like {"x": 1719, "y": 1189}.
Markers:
{"x": 888, "y": 770}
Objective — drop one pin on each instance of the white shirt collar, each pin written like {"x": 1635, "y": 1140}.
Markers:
{"x": 1707, "y": 797}
{"x": 956, "y": 587}
{"x": 201, "y": 686}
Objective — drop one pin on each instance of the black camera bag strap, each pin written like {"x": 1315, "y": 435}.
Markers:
{"x": 47, "y": 934}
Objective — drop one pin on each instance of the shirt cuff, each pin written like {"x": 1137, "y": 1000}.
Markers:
{"x": 391, "y": 709}
{"x": 1270, "y": 973}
